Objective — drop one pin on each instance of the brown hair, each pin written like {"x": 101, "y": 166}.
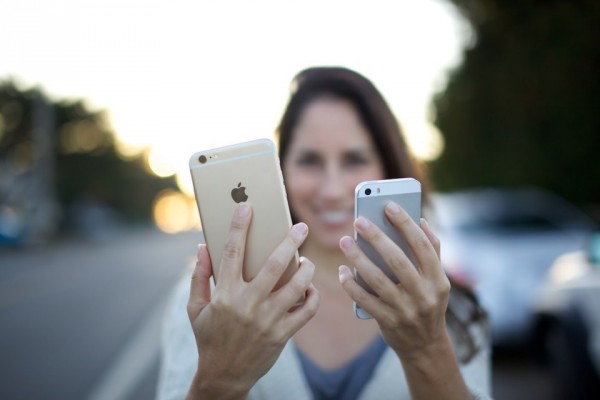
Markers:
{"x": 344, "y": 84}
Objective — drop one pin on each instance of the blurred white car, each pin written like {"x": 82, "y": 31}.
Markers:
{"x": 567, "y": 309}
{"x": 503, "y": 242}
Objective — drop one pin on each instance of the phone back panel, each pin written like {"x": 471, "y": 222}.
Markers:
{"x": 407, "y": 193}
{"x": 251, "y": 169}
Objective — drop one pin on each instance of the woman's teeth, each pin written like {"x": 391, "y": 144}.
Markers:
{"x": 334, "y": 216}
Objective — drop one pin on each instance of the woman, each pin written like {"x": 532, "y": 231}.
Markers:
{"x": 426, "y": 341}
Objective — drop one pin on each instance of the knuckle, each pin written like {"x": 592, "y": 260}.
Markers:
{"x": 353, "y": 253}
{"x": 444, "y": 287}
{"x": 422, "y": 243}
{"x": 428, "y": 306}
{"x": 191, "y": 310}
{"x": 402, "y": 219}
{"x": 271, "y": 271}
{"x": 246, "y": 321}
{"x": 379, "y": 279}
{"x": 221, "y": 303}
{"x": 311, "y": 306}
{"x": 389, "y": 320}
{"x": 278, "y": 337}
{"x": 435, "y": 241}
{"x": 238, "y": 224}
{"x": 231, "y": 250}
{"x": 375, "y": 234}
{"x": 295, "y": 239}
{"x": 310, "y": 267}
{"x": 297, "y": 285}
{"x": 397, "y": 260}
{"x": 275, "y": 265}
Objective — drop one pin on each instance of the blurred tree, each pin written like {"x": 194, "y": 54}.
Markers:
{"x": 524, "y": 106}
{"x": 62, "y": 153}
{"x": 88, "y": 167}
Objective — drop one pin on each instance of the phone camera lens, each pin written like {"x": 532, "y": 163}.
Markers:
{"x": 367, "y": 191}
{"x": 202, "y": 159}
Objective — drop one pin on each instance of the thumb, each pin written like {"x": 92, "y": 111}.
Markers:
{"x": 200, "y": 285}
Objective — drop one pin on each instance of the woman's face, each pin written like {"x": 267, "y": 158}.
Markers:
{"x": 330, "y": 153}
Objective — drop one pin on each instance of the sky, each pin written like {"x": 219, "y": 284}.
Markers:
{"x": 180, "y": 76}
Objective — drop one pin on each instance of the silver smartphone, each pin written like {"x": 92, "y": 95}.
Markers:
{"x": 243, "y": 172}
{"x": 370, "y": 199}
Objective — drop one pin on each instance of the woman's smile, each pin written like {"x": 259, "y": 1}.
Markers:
{"x": 335, "y": 218}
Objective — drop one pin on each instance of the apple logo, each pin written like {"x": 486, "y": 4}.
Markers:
{"x": 238, "y": 194}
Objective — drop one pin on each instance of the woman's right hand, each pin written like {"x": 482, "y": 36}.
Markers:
{"x": 241, "y": 331}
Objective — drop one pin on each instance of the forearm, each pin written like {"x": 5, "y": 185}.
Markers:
{"x": 435, "y": 374}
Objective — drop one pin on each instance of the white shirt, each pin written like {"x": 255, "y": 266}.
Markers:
{"x": 285, "y": 380}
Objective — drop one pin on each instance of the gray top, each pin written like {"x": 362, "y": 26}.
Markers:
{"x": 346, "y": 382}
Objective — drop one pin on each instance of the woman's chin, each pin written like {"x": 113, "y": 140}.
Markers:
{"x": 329, "y": 246}
{"x": 330, "y": 241}
{"x": 326, "y": 235}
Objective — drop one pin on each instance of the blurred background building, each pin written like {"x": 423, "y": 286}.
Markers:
{"x": 28, "y": 206}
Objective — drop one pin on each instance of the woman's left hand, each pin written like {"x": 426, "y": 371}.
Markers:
{"x": 411, "y": 314}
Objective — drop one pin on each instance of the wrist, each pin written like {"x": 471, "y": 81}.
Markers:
{"x": 207, "y": 387}
{"x": 433, "y": 371}
{"x": 430, "y": 357}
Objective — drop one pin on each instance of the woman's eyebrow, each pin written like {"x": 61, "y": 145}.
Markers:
{"x": 307, "y": 152}
{"x": 366, "y": 151}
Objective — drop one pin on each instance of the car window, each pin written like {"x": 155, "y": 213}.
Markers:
{"x": 511, "y": 223}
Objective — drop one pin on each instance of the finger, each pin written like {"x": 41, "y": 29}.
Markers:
{"x": 370, "y": 273}
{"x": 359, "y": 295}
{"x": 395, "y": 258}
{"x": 296, "y": 319}
{"x": 289, "y": 294}
{"x": 200, "y": 284}
{"x": 417, "y": 240}
{"x": 233, "y": 253}
{"x": 435, "y": 242}
{"x": 278, "y": 261}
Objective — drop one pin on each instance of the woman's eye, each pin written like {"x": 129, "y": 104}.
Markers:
{"x": 356, "y": 161}
{"x": 308, "y": 161}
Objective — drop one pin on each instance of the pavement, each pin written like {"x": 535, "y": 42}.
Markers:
{"x": 81, "y": 319}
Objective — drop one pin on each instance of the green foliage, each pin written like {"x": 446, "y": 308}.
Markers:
{"x": 88, "y": 167}
{"x": 524, "y": 106}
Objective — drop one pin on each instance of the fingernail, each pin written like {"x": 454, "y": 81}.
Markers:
{"x": 242, "y": 210}
{"x": 346, "y": 242}
{"x": 344, "y": 273}
{"x": 362, "y": 224}
{"x": 301, "y": 228}
{"x": 393, "y": 208}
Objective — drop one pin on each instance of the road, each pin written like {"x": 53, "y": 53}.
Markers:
{"x": 69, "y": 310}
{"x": 81, "y": 319}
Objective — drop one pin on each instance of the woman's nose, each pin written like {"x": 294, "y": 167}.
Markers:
{"x": 332, "y": 183}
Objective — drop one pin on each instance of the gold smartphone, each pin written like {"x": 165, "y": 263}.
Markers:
{"x": 244, "y": 172}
